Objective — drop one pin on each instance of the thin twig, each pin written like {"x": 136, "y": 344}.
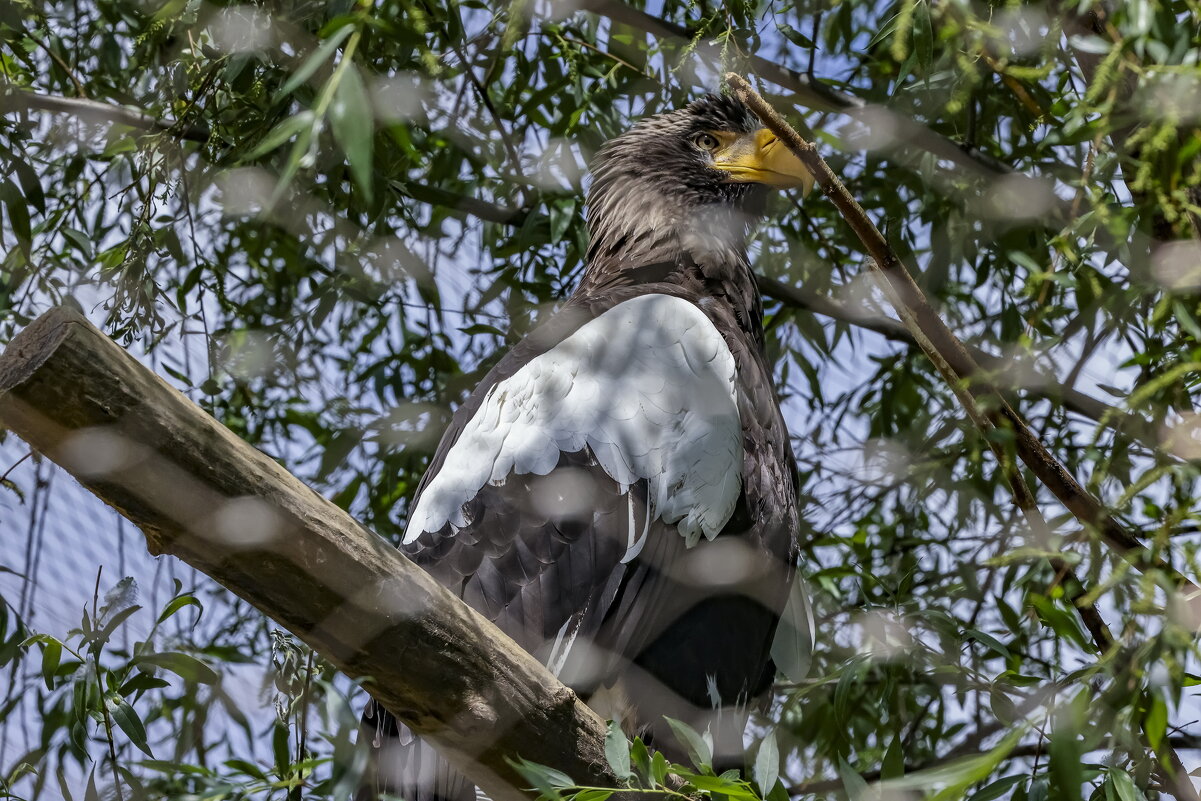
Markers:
{"x": 942, "y": 346}
{"x": 108, "y": 720}
{"x": 14, "y": 466}
{"x": 22, "y": 100}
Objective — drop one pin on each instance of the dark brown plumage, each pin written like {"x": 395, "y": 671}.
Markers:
{"x": 661, "y": 628}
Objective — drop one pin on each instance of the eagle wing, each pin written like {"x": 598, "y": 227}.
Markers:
{"x": 565, "y": 500}
{"x": 622, "y": 433}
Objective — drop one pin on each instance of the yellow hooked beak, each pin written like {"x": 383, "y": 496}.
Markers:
{"x": 761, "y": 158}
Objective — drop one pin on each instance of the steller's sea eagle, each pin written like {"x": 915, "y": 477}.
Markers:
{"x": 618, "y": 494}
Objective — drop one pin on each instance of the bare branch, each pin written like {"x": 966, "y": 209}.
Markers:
{"x": 955, "y": 363}
{"x": 14, "y": 100}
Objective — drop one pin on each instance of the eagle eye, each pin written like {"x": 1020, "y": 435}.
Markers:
{"x": 706, "y": 141}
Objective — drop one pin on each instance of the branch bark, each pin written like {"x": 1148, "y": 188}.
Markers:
{"x": 200, "y": 493}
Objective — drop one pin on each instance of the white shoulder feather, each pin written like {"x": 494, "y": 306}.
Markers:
{"x": 649, "y": 386}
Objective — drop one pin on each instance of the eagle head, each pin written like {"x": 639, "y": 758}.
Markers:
{"x": 689, "y": 181}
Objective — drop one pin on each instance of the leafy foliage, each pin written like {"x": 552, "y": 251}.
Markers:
{"x": 346, "y": 209}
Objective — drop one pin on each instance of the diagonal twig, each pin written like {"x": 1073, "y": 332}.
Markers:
{"x": 937, "y": 340}
{"x": 955, "y": 363}
{"x": 21, "y": 99}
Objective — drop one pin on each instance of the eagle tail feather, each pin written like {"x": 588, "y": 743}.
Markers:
{"x": 402, "y": 766}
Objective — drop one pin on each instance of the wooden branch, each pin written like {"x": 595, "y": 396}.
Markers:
{"x": 200, "y": 493}
{"x": 955, "y": 363}
{"x": 928, "y": 329}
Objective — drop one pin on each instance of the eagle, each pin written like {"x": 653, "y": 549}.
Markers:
{"x": 619, "y": 493}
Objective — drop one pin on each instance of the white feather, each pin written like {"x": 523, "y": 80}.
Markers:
{"x": 649, "y": 386}
{"x": 562, "y": 645}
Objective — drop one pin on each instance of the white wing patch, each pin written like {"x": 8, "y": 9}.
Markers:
{"x": 648, "y": 385}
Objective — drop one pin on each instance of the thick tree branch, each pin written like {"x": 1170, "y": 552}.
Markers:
{"x": 200, "y": 493}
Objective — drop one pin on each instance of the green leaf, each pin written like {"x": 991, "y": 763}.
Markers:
{"x": 182, "y": 665}
{"x": 1123, "y": 786}
{"x": 18, "y": 211}
{"x": 561, "y": 214}
{"x": 249, "y": 768}
{"x": 766, "y": 770}
{"x": 659, "y": 768}
{"x": 1141, "y": 14}
{"x": 894, "y": 760}
{"x": 997, "y": 789}
{"x": 1186, "y": 319}
{"x": 121, "y": 140}
{"x": 52, "y": 652}
{"x": 952, "y": 780}
{"x": 103, "y": 635}
{"x": 140, "y": 683}
{"x": 481, "y": 328}
{"x": 78, "y": 238}
{"x": 793, "y": 35}
{"x": 517, "y": 24}
{"x": 1063, "y": 623}
{"x": 319, "y": 56}
{"x": 179, "y": 603}
{"x": 281, "y": 749}
{"x": 354, "y": 127}
{"x": 852, "y": 782}
{"x": 1155, "y": 724}
{"x": 31, "y": 184}
{"x": 167, "y": 766}
{"x": 727, "y": 785}
{"x": 989, "y": 641}
{"x": 640, "y": 759}
{"x": 617, "y": 751}
{"x": 592, "y": 795}
{"x": 792, "y": 648}
{"x": 1090, "y": 44}
{"x": 128, "y": 721}
{"x": 281, "y": 133}
{"x": 547, "y": 781}
{"x": 699, "y": 751}
{"x": 1065, "y": 754}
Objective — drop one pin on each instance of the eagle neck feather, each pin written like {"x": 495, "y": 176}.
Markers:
{"x": 705, "y": 246}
